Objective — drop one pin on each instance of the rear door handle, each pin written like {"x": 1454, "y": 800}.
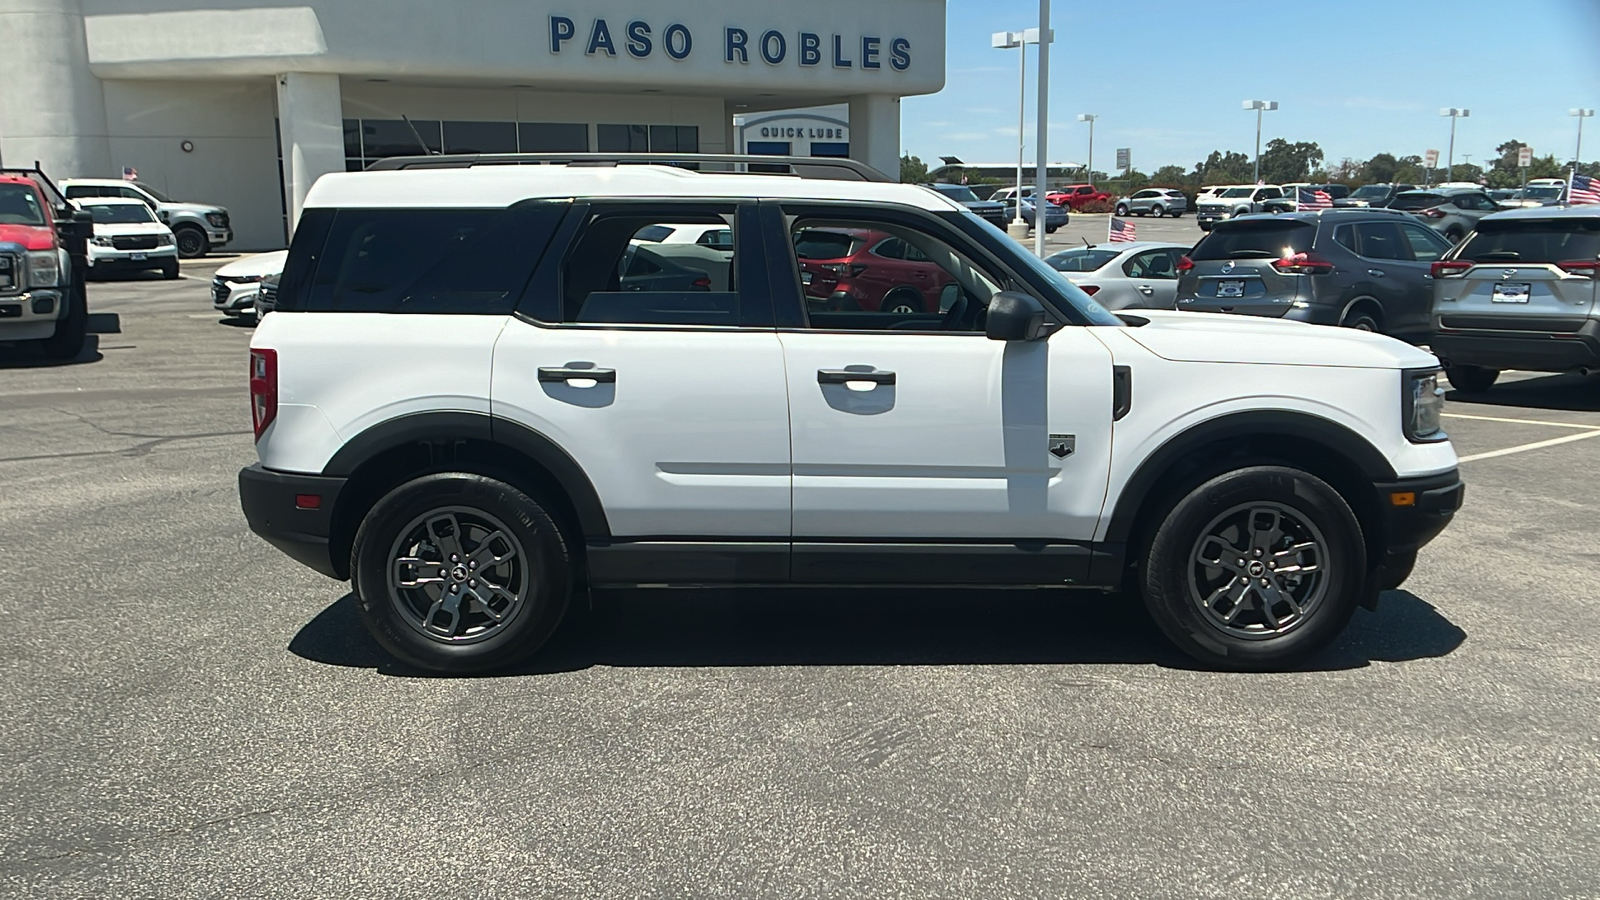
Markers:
{"x": 1147, "y": 289}
{"x": 844, "y": 376}
{"x": 562, "y": 374}
{"x": 1375, "y": 273}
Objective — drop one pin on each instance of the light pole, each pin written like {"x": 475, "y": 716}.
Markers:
{"x": 1041, "y": 129}
{"x": 1089, "y": 117}
{"x": 1450, "y": 159}
{"x": 1018, "y": 40}
{"x": 1260, "y": 106}
{"x": 1577, "y": 155}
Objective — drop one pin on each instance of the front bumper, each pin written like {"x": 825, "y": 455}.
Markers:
{"x": 1505, "y": 348}
{"x": 1415, "y": 511}
{"x": 106, "y": 258}
{"x": 219, "y": 236}
{"x": 273, "y": 504}
{"x": 227, "y": 296}
{"x": 30, "y": 315}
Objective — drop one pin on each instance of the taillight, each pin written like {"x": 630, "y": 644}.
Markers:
{"x": 701, "y": 284}
{"x": 843, "y": 270}
{"x": 1185, "y": 264}
{"x": 263, "y": 389}
{"x": 1450, "y": 268}
{"x": 1435, "y": 213}
{"x": 1588, "y": 268}
{"x": 1303, "y": 264}
{"x": 1090, "y": 289}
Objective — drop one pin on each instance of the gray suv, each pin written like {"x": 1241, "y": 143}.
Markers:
{"x": 1366, "y": 269}
{"x": 1520, "y": 293}
{"x": 1453, "y": 212}
{"x": 1156, "y": 202}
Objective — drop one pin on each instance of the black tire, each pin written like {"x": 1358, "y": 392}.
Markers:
{"x": 1183, "y": 595}
{"x": 169, "y": 270}
{"x": 1177, "y": 214}
{"x": 902, "y": 301}
{"x": 1472, "y": 379}
{"x": 1051, "y": 229}
{"x": 67, "y": 342}
{"x": 1205, "y": 226}
{"x": 476, "y": 507}
{"x": 192, "y": 242}
{"x": 1361, "y": 320}
{"x": 1158, "y": 210}
{"x": 1122, "y": 209}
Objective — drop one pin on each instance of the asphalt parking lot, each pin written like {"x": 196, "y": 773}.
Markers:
{"x": 189, "y": 713}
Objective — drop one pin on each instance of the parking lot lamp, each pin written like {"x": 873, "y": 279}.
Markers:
{"x": 1260, "y": 106}
{"x": 1450, "y": 157}
{"x": 1018, "y": 40}
{"x": 1577, "y": 155}
{"x": 1089, "y": 117}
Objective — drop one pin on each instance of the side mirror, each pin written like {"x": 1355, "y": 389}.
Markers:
{"x": 163, "y": 215}
{"x": 78, "y": 223}
{"x": 1015, "y": 316}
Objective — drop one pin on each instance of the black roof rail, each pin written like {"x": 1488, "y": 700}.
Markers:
{"x": 822, "y": 167}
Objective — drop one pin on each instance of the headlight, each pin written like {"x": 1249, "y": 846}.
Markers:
{"x": 216, "y": 219}
{"x": 1423, "y": 405}
{"x": 164, "y": 240}
{"x": 43, "y": 268}
{"x": 100, "y": 241}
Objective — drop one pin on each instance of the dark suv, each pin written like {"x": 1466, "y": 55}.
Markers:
{"x": 1362, "y": 268}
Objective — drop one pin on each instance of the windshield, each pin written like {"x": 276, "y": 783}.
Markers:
{"x": 1267, "y": 239}
{"x": 120, "y": 214}
{"x": 1371, "y": 192}
{"x": 1236, "y": 192}
{"x": 1533, "y": 241}
{"x": 1416, "y": 201}
{"x": 1542, "y": 193}
{"x": 1081, "y": 259}
{"x": 160, "y": 197}
{"x": 956, "y": 192}
{"x": 19, "y": 205}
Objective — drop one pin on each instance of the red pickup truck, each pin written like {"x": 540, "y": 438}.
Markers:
{"x": 42, "y": 259}
{"x": 1076, "y": 195}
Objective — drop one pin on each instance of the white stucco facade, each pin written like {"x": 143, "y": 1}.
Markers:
{"x": 244, "y": 104}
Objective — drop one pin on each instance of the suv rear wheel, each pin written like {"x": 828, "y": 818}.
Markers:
{"x": 460, "y": 573}
{"x": 1257, "y": 568}
{"x": 1122, "y": 209}
{"x": 1472, "y": 379}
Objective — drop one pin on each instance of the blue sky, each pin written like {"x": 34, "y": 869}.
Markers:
{"x": 1358, "y": 77}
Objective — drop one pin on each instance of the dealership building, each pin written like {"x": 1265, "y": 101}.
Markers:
{"x": 245, "y": 104}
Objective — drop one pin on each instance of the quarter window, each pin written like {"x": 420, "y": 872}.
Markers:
{"x": 1380, "y": 240}
{"x": 1426, "y": 244}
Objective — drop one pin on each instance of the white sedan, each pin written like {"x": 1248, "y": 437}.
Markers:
{"x": 1131, "y": 275}
{"x": 234, "y": 287}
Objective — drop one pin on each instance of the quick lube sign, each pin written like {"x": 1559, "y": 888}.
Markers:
{"x": 738, "y": 46}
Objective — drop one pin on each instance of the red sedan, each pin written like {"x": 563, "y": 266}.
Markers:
{"x": 867, "y": 270}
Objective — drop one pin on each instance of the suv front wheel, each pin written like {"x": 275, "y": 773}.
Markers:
{"x": 460, "y": 573}
{"x": 1257, "y": 568}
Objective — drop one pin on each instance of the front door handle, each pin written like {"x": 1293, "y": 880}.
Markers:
{"x": 1146, "y": 289}
{"x": 563, "y": 374}
{"x": 1375, "y": 273}
{"x": 845, "y": 376}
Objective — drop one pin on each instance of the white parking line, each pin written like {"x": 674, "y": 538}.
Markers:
{"x": 1517, "y": 421}
{"x": 1537, "y": 445}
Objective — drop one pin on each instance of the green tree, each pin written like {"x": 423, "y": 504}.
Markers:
{"x": 913, "y": 170}
{"x": 1171, "y": 176}
{"x": 1283, "y": 162}
{"x": 1223, "y": 167}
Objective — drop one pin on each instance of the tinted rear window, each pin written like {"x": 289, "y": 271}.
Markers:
{"x": 1533, "y": 241}
{"x": 811, "y": 244}
{"x": 1416, "y": 201}
{"x": 1081, "y": 259}
{"x": 424, "y": 260}
{"x": 1273, "y": 239}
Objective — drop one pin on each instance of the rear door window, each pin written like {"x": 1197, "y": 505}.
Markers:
{"x": 1269, "y": 239}
{"x": 615, "y": 276}
{"x": 1533, "y": 241}
{"x": 1416, "y": 201}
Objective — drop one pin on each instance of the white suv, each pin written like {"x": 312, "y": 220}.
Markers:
{"x": 476, "y": 404}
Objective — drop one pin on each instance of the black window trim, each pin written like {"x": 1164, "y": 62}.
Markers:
{"x": 541, "y": 302}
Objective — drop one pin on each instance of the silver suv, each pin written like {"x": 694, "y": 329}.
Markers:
{"x": 1520, "y": 293}
{"x": 1156, "y": 202}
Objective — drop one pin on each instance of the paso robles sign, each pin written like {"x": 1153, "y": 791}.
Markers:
{"x": 739, "y": 46}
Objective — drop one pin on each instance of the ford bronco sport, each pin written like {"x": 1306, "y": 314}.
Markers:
{"x": 469, "y": 404}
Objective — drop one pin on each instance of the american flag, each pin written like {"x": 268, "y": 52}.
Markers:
{"x": 1583, "y": 190}
{"x": 1313, "y": 199}
{"x": 1122, "y": 230}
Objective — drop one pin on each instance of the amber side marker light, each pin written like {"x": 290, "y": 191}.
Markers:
{"x": 1403, "y": 498}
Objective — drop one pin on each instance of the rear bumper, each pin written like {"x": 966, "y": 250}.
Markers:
{"x": 1537, "y": 351}
{"x": 270, "y": 503}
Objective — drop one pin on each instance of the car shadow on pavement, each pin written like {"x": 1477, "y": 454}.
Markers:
{"x": 1578, "y": 393}
{"x": 802, "y": 627}
{"x": 23, "y": 356}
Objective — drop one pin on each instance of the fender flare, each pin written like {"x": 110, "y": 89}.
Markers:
{"x": 454, "y": 426}
{"x": 1256, "y": 423}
